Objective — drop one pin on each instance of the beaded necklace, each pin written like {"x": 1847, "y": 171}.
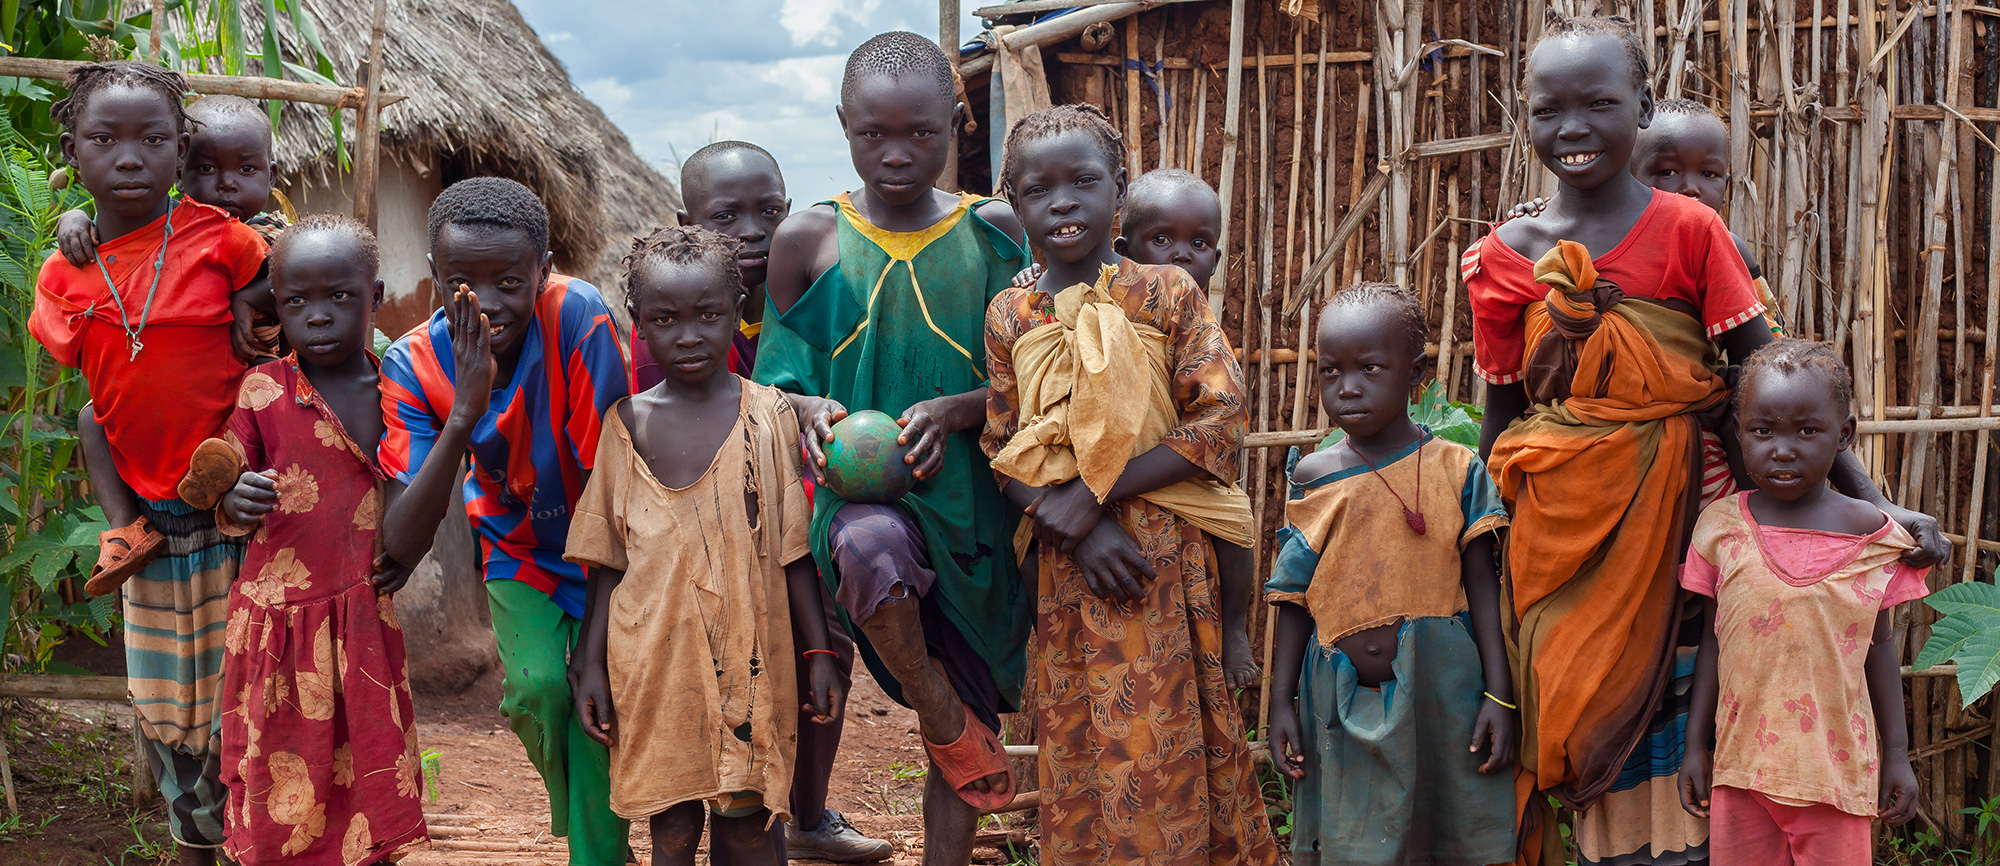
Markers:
{"x": 159, "y": 266}
{"x": 1414, "y": 517}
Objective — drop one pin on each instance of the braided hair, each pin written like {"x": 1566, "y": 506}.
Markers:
{"x": 1399, "y": 301}
{"x": 895, "y": 54}
{"x": 90, "y": 79}
{"x": 681, "y": 245}
{"x": 1790, "y": 356}
{"x": 1615, "y": 26}
{"x": 334, "y": 224}
{"x": 1056, "y": 120}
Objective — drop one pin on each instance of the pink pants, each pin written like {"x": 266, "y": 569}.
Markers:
{"x": 1750, "y": 829}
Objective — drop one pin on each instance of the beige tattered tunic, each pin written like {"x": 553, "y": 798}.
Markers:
{"x": 700, "y": 641}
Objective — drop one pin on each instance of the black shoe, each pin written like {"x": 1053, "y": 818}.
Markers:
{"x": 834, "y": 839}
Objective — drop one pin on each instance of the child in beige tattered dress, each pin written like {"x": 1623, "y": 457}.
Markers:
{"x": 693, "y": 528}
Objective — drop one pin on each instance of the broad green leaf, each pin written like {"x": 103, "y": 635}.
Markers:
{"x": 1968, "y": 634}
{"x": 50, "y": 567}
{"x": 1452, "y": 422}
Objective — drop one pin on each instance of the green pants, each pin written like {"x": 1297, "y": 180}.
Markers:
{"x": 535, "y": 637}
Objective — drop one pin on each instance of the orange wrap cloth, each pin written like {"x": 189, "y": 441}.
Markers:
{"x": 1096, "y": 391}
{"x": 1599, "y": 479}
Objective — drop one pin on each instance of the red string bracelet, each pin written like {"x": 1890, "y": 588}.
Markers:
{"x": 808, "y": 653}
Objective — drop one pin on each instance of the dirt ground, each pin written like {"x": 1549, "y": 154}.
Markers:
{"x": 71, "y": 763}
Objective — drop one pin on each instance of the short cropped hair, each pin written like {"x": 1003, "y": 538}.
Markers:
{"x": 333, "y": 224}
{"x": 1400, "y": 302}
{"x": 223, "y": 110}
{"x": 1791, "y": 355}
{"x": 1153, "y": 188}
{"x": 1615, "y": 26}
{"x": 491, "y": 203}
{"x": 895, "y": 54}
{"x": 1682, "y": 107}
{"x": 681, "y": 245}
{"x": 694, "y": 171}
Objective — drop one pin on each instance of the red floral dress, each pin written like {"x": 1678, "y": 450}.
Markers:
{"x": 319, "y": 743}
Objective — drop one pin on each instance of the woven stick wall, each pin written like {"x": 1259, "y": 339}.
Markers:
{"x": 1374, "y": 141}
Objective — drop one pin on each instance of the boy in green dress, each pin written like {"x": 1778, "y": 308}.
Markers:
{"x": 878, "y": 301}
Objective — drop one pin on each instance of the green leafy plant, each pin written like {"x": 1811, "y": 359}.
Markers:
{"x": 1452, "y": 422}
{"x": 48, "y": 528}
{"x": 1968, "y": 634}
{"x": 433, "y": 766}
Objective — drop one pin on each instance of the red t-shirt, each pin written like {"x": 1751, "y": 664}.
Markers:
{"x": 181, "y": 387}
{"x": 1678, "y": 250}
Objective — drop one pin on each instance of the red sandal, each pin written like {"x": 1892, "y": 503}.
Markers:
{"x": 975, "y": 755}
{"x": 212, "y": 472}
{"x": 121, "y": 552}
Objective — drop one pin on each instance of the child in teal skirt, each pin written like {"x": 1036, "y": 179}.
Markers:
{"x": 1389, "y": 611}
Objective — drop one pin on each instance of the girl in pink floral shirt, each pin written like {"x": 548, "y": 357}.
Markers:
{"x": 1797, "y": 682}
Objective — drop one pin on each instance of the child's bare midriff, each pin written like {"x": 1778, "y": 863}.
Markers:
{"x": 1372, "y": 651}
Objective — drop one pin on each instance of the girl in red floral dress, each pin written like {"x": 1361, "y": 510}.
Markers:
{"x": 319, "y": 745}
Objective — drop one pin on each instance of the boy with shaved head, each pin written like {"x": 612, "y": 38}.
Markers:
{"x": 878, "y": 301}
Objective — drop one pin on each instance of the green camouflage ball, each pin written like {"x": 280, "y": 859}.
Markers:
{"x": 863, "y": 461}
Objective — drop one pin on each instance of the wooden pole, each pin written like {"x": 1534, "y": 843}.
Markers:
{"x": 368, "y": 128}
{"x": 1262, "y": 384}
{"x": 248, "y": 87}
{"x": 948, "y": 20}
{"x": 1134, "y": 151}
{"x": 159, "y": 22}
{"x": 1232, "y": 127}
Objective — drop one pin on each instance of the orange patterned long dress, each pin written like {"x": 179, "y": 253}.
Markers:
{"x": 319, "y": 740}
{"x": 1143, "y": 754}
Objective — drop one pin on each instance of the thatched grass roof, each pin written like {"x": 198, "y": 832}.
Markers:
{"x": 485, "y": 97}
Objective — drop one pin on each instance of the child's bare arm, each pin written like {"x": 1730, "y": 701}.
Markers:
{"x": 76, "y": 237}
{"x": 1696, "y": 762}
{"x": 1496, "y": 725}
{"x": 1295, "y": 628}
{"x": 409, "y": 523}
{"x": 1898, "y": 800}
{"x": 1504, "y": 404}
{"x": 244, "y": 305}
{"x": 809, "y": 619}
{"x": 589, "y": 678}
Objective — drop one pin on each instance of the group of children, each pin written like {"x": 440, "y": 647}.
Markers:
{"x": 678, "y": 605}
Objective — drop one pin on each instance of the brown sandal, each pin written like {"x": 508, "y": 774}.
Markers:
{"x": 211, "y": 473}
{"x": 121, "y": 552}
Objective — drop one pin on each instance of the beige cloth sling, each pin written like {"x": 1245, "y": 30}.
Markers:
{"x": 1095, "y": 391}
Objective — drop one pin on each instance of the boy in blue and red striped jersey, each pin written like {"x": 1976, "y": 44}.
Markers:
{"x": 517, "y": 369}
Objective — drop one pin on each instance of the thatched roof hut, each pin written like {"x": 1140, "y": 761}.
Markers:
{"x": 484, "y": 98}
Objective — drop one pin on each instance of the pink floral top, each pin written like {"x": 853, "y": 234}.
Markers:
{"x": 1795, "y": 613}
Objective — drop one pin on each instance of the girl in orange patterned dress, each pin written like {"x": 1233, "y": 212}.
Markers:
{"x": 1126, "y": 466}
{"x": 319, "y": 743}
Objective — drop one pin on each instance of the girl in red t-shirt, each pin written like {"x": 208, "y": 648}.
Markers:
{"x": 149, "y": 325}
{"x": 1604, "y": 387}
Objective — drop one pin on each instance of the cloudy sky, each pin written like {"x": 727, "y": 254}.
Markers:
{"x": 678, "y": 74}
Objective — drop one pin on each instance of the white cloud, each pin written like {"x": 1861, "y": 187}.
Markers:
{"x": 608, "y": 93}
{"x": 678, "y": 74}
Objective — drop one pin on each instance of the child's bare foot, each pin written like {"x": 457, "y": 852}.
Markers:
{"x": 1239, "y": 661}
